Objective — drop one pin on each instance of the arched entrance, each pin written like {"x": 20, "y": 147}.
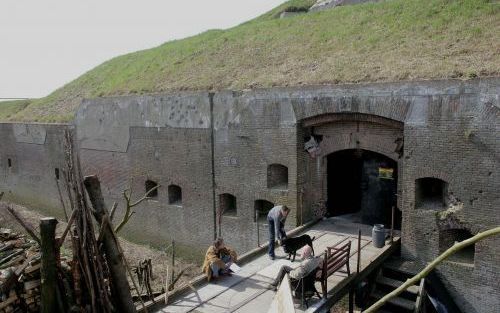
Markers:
{"x": 362, "y": 186}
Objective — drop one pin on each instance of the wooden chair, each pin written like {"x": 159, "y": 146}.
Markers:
{"x": 305, "y": 287}
{"x": 334, "y": 259}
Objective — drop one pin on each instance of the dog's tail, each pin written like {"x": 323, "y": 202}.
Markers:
{"x": 314, "y": 237}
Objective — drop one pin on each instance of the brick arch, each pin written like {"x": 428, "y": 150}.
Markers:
{"x": 350, "y": 116}
{"x": 426, "y": 172}
{"x": 345, "y": 131}
{"x": 430, "y": 193}
{"x": 355, "y": 131}
{"x": 452, "y": 221}
{"x": 390, "y": 107}
{"x": 368, "y": 147}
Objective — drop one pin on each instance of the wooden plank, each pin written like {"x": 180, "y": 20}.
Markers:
{"x": 8, "y": 301}
{"x": 245, "y": 296}
{"x": 196, "y": 299}
{"x": 234, "y": 298}
{"x": 31, "y": 284}
{"x": 260, "y": 302}
{"x": 249, "y": 299}
{"x": 32, "y": 268}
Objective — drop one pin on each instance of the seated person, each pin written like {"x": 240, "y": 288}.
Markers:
{"x": 309, "y": 263}
{"x": 218, "y": 259}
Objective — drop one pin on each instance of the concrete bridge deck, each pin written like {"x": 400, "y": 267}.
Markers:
{"x": 247, "y": 290}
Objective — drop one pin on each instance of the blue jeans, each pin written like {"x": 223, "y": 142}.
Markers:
{"x": 272, "y": 235}
{"x": 215, "y": 268}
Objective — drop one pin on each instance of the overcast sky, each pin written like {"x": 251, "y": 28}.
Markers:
{"x": 47, "y": 43}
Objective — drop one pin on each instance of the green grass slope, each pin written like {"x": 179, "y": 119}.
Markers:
{"x": 9, "y": 108}
{"x": 385, "y": 41}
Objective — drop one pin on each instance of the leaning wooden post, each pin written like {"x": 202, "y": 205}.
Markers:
{"x": 121, "y": 288}
{"x": 358, "y": 266}
{"x": 49, "y": 263}
{"x": 167, "y": 283}
{"x": 392, "y": 225}
{"x": 172, "y": 264}
{"x": 351, "y": 301}
{"x": 258, "y": 227}
{"x": 29, "y": 229}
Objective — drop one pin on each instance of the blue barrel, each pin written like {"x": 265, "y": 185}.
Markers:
{"x": 378, "y": 235}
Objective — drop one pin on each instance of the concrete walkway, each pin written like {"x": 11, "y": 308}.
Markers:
{"x": 246, "y": 291}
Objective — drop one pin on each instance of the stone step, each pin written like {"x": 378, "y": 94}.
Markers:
{"x": 395, "y": 284}
{"x": 397, "y": 301}
{"x": 405, "y": 269}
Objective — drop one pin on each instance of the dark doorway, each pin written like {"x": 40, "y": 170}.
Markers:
{"x": 362, "y": 186}
{"x": 344, "y": 181}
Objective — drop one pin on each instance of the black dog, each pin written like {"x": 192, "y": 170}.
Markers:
{"x": 291, "y": 245}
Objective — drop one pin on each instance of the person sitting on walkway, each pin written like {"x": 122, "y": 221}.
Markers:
{"x": 276, "y": 219}
{"x": 218, "y": 259}
{"x": 309, "y": 263}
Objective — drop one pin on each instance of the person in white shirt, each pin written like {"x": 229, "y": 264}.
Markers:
{"x": 309, "y": 263}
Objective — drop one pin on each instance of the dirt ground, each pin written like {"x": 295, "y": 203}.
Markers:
{"x": 342, "y": 306}
{"x": 134, "y": 253}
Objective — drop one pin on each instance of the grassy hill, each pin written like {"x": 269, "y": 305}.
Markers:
{"x": 10, "y": 108}
{"x": 385, "y": 41}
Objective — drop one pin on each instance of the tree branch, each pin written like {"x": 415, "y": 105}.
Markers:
{"x": 66, "y": 230}
{"x": 129, "y": 205}
{"x": 145, "y": 196}
{"x": 113, "y": 209}
{"x": 174, "y": 281}
{"x": 456, "y": 247}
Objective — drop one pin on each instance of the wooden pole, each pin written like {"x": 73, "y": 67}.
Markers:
{"x": 351, "y": 301}
{"x": 127, "y": 267}
{"x": 120, "y": 286}
{"x": 61, "y": 199}
{"x": 358, "y": 266}
{"x": 301, "y": 195}
{"x": 48, "y": 269}
{"x": 258, "y": 227}
{"x": 392, "y": 225}
{"x": 172, "y": 264}
{"x": 167, "y": 283}
{"x": 68, "y": 227}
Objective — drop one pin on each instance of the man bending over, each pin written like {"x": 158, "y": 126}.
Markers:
{"x": 276, "y": 219}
